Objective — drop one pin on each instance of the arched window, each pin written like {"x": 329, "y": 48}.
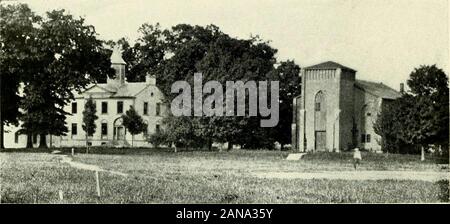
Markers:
{"x": 319, "y": 101}
{"x": 320, "y": 111}
{"x": 119, "y": 130}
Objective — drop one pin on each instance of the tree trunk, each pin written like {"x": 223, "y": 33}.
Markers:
{"x": 29, "y": 141}
{"x": 42, "y": 141}
{"x": 422, "y": 153}
{"x": 230, "y": 146}
{"x": 209, "y": 144}
{"x": 132, "y": 141}
{"x": 87, "y": 146}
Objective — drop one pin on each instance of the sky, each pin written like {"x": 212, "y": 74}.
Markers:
{"x": 384, "y": 40}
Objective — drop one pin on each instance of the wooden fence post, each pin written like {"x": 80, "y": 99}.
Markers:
{"x": 61, "y": 195}
{"x": 98, "y": 183}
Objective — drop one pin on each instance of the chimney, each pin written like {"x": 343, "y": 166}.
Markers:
{"x": 402, "y": 88}
{"x": 150, "y": 79}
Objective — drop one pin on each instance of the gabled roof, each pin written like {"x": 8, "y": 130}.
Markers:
{"x": 330, "y": 65}
{"x": 130, "y": 89}
{"x": 378, "y": 89}
{"x": 99, "y": 87}
{"x": 127, "y": 90}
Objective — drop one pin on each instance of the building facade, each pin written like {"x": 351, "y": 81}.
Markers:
{"x": 335, "y": 111}
{"x": 112, "y": 100}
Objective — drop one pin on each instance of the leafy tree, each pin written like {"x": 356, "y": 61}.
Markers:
{"x": 17, "y": 23}
{"x": 9, "y": 103}
{"x": 221, "y": 58}
{"x": 179, "y": 52}
{"x": 60, "y": 55}
{"x": 133, "y": 122}
{"x": 145, "y": 55}
{"x": 158, "y": 138}
{"x": 184, "y": 132}
{"x": 388, "y": 125}
{"x": 427, "y": 103}
{"x": 420, "y": 117}
{"x": 89, "y": 118}
{"x": 287, "y": 73}
{"x": 429, "y": 86}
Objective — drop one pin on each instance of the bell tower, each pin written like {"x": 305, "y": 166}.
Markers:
{"x": 118, "y": 64}
{"x": 325, "y": 107}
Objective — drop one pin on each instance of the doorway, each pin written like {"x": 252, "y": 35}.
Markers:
{"x": 120, "y": 133}
{"x": 321, "y": 140}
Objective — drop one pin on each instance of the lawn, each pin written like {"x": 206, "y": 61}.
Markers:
{"x": 162, "y": 176}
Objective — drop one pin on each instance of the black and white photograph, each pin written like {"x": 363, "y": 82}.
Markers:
{"x": 224, "y": 102}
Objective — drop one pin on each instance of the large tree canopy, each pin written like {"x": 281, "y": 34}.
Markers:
{"x": 17, "y": 23}
{"x": 179, "y": 52}
{"x": 420, "y": 117}
{"x": 53, "y": 56}
{"x": 288, "y": 74}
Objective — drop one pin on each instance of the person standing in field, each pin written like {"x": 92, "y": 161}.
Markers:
{"x": 356, "y": 157}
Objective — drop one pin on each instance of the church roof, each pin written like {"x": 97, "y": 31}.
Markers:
{"x": 378, "y": 89}
{"x": 330, "y": 65}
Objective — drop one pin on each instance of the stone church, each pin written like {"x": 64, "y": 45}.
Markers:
{"x": 112, "y": 100}
{"x": 335, "y": 111}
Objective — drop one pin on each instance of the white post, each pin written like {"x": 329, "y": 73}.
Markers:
{"x": 73, "y": 151}
{"x": 61, "y": 195}
{"x": 422, "y": 154}
{"x": 98, "y": 183}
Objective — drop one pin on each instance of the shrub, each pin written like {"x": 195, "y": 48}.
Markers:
{"x": 159, "y": 138}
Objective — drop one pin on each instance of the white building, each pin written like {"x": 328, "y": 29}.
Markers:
{"x": 112, "y": 100}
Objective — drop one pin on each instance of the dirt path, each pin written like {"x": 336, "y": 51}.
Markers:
{"x": 359, "y": 175}
{"x": 83, "y": 166}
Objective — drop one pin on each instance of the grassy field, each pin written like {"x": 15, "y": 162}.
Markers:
{"x": 162, "y": 176}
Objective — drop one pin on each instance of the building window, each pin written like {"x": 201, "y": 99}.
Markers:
{"x": 104, "y": 129}
{"x": 104, "y": 107}
{"x": 16, "y": 137}
{"x": 74, "y": 108}
{"x": 74, "y": 129}
{"x": 145, "y": 108}
{"x": 151, "y": 94}
{"x": 157, "y": 128}
{"x": 368, "y": 138}
{"x": 158, "y": 109}
{"x": 363, "y": 138}
{"x": 369, "y": 114}
{"x": 120, "y": 107}
{"x": 34, "y": 138}
{"x": 317, "y": 107}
